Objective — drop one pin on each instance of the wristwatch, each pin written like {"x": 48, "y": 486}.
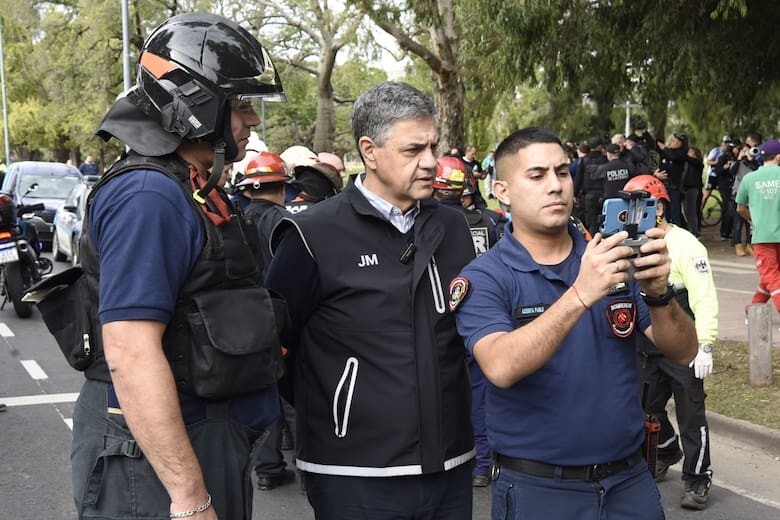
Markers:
{"x": 706, "y": 348}
{"x": 659, "y": 301}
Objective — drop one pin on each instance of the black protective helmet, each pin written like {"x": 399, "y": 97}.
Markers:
{"x": 190, "y": 68}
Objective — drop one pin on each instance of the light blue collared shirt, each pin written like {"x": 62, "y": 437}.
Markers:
{"x": 403, "y": 222}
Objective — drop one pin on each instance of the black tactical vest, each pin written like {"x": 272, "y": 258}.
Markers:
{"x": 222, "y": 340}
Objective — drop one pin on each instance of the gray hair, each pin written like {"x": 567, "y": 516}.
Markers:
{"x": 378, "y": 108}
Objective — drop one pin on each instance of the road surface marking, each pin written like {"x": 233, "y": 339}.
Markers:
{"x": 69, "y": 422}
{"x": 26, "y": 400}
{"x": 5, "y": 331}
{"x": 739, "y": 265}
{"x": 738, "y": 291}
{"x": 34, "y": 369}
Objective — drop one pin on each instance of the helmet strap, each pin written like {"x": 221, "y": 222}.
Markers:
{"x": 216, "y": 172}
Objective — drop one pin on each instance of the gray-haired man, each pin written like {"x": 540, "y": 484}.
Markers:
{"x": 382, "y": 392}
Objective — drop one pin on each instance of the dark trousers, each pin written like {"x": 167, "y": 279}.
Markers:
{"x": 478, "y": 392}
{"x": 267, "y": 456}
{"x": 675, "y": 208}
{"x": 113, "y": 479}
{"x": 691, "y": 201}
{"x": 666, "y": 379}
{"x": 592, "y": 212}
{"x": 438, "y": 496}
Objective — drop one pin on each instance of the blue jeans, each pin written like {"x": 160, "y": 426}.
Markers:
{"x": 739, "y": 225}
{"x": 630, "y": 495}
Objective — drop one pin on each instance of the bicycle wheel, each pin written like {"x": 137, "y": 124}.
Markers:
{"x": 712, "y": 213}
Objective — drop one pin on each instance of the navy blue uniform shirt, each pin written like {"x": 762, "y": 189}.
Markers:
{"x": 582, "y": 407}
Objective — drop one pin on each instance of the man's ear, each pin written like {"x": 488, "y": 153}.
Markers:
{"x": 367, "y": 149}
{"x": 501, "y": 191}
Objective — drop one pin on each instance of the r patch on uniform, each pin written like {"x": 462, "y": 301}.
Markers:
{"x": 701, "y": 265}
{"x": 622, "y": 317}
{"x": 459, "y": 290}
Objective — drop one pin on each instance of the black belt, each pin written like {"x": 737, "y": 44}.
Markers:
{"x": 589, "y": 473}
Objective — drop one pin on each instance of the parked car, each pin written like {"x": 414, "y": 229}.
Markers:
{"x": 68, "y": 220}
{"x": 55, "y": 181}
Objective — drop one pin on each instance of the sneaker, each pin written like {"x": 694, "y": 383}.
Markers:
{"x": 696, "y": 493}
{"x": 268, "y": 482}
{"x": 663, "y": 463}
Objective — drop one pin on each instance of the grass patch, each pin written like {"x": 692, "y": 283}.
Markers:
{"x": 730, "y": 393}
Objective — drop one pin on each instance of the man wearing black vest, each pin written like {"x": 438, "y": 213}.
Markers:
{"x": 382, "y": 389}
{"x": 165, "y": 422}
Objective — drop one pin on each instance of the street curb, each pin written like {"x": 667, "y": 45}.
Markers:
{"x": 767, "y": 439}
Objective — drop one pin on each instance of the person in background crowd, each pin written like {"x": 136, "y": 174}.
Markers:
{"x": 638, "y": 155}
{"x": 313, "y": 181}
{"x": 551, "y": 320}
{"x": 694, "y": 291}
{"x": 490, "y": 175}
{"x": 615, "y": 172}
{"x": 722, "y": 171}
{"x": 712, "y": 160}
{"x": 747, "y": 162}
{"x": 643, "y": 137}
{"x": 364, "y": 274}
{"x": 624, "y": 154}
{"x": 754, "y": 140}
{"x": 263, "y": 184}
{"x": 89, "y": 167}
{"x": 475, "y": 174}
{"x": 588, "y": 186}
{"x": 448, "y": 187}
{"x": 166, "y": 259}
{"x": 691, "y": 186}
{"x": 673, "y": 164}
{"x": 758, "y": 202}
{"x": 333, "y": 160}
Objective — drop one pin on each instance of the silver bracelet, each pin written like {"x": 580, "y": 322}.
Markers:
{"x": 192, "y": 512}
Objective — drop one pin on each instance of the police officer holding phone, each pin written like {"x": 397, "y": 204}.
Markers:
{"x": 551, "y": 321}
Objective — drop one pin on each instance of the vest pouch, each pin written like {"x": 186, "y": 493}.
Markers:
{"x": 62, "y": 300}
{"x": 235, "y": 342}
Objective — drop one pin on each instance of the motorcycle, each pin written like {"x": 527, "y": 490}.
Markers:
{"x": 20, "y": 263}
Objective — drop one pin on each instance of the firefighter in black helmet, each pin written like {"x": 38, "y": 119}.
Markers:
{"x": 186, "y": 356}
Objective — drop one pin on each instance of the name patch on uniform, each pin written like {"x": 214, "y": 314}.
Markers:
{"x": 622, "y": 317}
{"x": 530, "y": 311}
{"x": 459, "y": 290}
{"x": 701, "y": 265}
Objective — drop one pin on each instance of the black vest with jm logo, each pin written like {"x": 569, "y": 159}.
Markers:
{"x": 381, "y": 381}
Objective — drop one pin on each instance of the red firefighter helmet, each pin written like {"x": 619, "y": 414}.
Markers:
{"x": 649, "y": 184}
{"x": 265, "y": 168}
{"x": 451, "y": 174}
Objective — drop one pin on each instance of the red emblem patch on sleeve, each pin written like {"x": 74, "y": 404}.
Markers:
{"x": 622, "y": 318}
{"x": 459, "y": 289}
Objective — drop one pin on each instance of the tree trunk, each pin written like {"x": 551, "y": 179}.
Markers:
{"x": 325, "y": 126}
{"x": 448, "y": 96}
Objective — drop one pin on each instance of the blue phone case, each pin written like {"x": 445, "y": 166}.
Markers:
{"x": 616, "y": 213}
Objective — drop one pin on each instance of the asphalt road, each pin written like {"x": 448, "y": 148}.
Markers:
{"x": 39, "y": 388}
